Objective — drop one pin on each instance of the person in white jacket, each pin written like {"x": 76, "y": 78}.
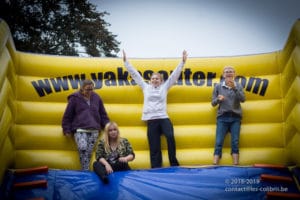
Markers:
{"x": 155, "y": 110}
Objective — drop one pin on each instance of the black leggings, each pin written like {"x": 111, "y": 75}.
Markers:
{"x": 100, "y": 170}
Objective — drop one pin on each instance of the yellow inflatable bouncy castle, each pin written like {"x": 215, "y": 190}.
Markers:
{"x": 34, "y": 90}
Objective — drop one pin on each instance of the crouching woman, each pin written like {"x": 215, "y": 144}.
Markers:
{"x": 112, "y": 153}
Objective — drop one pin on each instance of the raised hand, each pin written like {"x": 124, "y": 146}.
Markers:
{"x": 229, "y": 81}
{"x": 184, "y": 56}
{"x": 124, "y": 56}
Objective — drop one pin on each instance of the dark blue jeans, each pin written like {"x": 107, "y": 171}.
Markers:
{"x": 154, "y": 130}
{"x": 227, "y": 123}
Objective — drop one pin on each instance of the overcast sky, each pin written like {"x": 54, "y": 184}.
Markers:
{"x": 205, "y": 28}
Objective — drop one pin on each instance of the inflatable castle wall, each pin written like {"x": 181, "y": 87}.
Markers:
{"x": 34, "y": 90}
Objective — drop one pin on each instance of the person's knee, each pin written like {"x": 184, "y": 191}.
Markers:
{"x": 95, "y": 164}
{"x": 98, "y": 168}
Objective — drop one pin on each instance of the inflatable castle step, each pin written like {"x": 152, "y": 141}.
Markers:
{"x": 272, "y": 195}
{"x": 28, "y": 185}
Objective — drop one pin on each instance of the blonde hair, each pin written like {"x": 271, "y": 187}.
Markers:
{"x": 106, "y": 135}
{"x": 159, "y": 75}
{"x": 228, "y": 67}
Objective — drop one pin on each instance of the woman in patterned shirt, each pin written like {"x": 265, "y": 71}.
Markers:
{"x": 113, "y": 153}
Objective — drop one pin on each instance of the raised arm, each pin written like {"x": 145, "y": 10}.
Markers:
{"x": 176, "y": 73}
{"x": 124, "y": 56}
{"x": 133, "y": 72}
{"x": 184, "y": 56}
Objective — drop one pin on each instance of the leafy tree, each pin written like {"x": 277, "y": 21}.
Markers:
{"x": 59, "y": 27}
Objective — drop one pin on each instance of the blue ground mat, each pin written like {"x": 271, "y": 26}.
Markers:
{"x": 173, "y": 183}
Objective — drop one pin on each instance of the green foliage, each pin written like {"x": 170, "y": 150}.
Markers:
{"x": 59, "y": 27}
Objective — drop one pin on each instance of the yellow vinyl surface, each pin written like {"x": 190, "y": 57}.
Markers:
{"x": 34, "y": 90}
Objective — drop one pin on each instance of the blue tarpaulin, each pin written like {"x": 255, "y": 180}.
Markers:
{"x": 173, "y": 183}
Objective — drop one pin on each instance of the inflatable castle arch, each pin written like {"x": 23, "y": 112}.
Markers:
{"x": 34, "y": 87}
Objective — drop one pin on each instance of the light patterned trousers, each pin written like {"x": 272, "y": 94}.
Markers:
{"x": 85, "y": 141}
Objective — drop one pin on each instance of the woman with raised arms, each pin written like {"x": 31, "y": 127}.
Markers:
{"x": 155, "y": 110}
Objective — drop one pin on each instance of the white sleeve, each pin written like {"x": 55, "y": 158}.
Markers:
{"x": 135, "y": 74}
{"x": 174, "y": 75}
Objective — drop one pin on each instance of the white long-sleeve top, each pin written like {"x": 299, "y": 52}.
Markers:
{"x": 155, "y": 99}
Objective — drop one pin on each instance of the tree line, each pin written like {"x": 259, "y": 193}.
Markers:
{"x": 59, "y": 27}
